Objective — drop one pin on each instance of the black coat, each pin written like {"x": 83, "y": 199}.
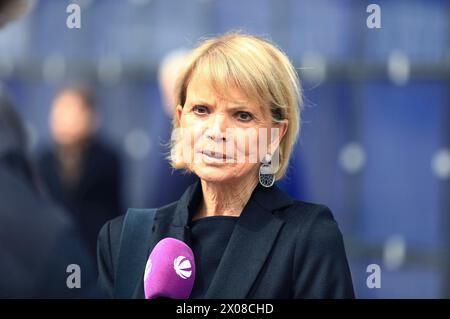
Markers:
{"x": 280, "y": 248}
{"x": 96, "y": 198}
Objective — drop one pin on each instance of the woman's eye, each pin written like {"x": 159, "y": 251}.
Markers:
{"x": 244, "y": 116}
{"x": 200, "y": 109}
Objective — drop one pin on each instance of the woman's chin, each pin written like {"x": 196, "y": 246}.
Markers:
{"x": 214, "y": 174}
{"x": 224, "y": 173}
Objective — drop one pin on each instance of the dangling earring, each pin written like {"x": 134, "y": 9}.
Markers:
{"x": 266, "y": 177}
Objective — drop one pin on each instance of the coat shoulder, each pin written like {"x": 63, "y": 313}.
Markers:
{"x": 304, "y": 212}
{"x": 113, "y": 228}
{"x": 320, "y": 257}
{"x": 310, "y": 221}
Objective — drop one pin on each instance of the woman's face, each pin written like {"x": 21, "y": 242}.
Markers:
{"x": 71, "y": 120}
{"x": 222, "y": 135}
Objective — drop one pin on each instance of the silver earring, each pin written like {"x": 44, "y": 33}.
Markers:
{"x": 266, "y": 177}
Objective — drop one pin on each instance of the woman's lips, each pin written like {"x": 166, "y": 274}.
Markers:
{"x": 215, "y": 156}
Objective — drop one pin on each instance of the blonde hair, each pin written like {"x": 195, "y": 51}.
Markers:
{"x": 258, "y": 69}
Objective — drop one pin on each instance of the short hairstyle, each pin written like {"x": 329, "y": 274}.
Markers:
{"x": 256, "y": 67}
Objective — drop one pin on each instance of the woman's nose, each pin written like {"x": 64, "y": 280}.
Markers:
{"x": 216, "y": 127}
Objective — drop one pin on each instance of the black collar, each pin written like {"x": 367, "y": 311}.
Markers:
{"x": 269, "y": 199}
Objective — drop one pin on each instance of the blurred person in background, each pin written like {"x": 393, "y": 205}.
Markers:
{"x": 38, "y": 240}
{"x": 168, "y": 71}
{"x": 81, "y": 172}
{"x": 169, "y": 184}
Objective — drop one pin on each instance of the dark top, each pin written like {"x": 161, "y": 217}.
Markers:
{"x": 209, "y": 238}
{"x": 279, "y": 248}
{"x": 96, "y": 197}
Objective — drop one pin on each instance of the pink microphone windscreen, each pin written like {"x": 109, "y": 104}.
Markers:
{"x": 170, "y": 270}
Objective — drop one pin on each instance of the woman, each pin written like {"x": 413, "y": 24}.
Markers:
{"x": 237, "y": 119}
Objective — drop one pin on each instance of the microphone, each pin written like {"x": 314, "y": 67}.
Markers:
{"x": 170, "y": 270}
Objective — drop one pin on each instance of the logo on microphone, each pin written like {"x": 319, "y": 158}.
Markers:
{"x": 182, "y": 267}
{"x": 148, "y": 268}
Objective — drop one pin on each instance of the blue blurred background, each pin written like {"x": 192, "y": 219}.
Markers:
{"x": 375, "y": 142}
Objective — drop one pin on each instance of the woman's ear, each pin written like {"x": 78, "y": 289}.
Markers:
{"x": 179, "y": 111}
{"x": 281, "y": 129}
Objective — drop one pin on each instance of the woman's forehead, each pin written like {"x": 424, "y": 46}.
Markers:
{"x": 202, "y": 87}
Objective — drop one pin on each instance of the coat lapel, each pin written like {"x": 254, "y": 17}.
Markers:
{"x": 249, "y": 245}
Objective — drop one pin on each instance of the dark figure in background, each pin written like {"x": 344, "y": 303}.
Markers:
{"x": 37, "y": 239}
{"x": 81, "y": 173}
